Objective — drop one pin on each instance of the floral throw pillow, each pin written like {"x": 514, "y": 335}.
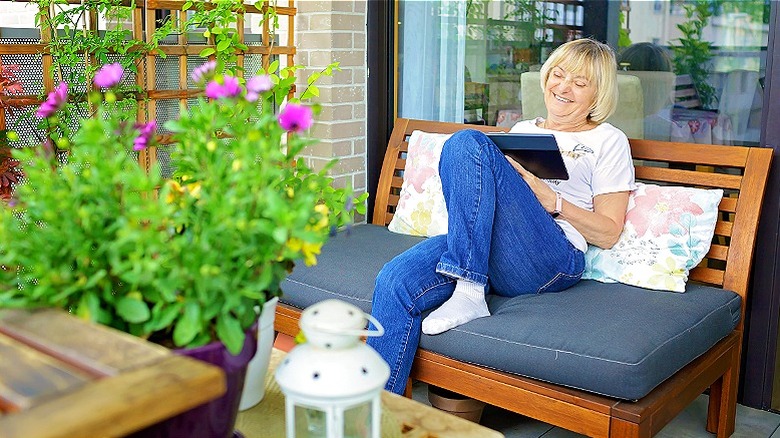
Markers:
{"x": 421, "y": 210}
{"x": 668, "y": 231}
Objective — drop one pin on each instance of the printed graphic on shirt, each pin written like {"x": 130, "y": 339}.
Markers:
{"x": 578, "y": 152}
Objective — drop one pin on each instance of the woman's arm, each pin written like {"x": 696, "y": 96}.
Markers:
{"x": 600, "y": 227}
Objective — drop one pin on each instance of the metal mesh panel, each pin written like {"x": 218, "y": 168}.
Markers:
{"x": 129, "y": 105}
{"x": 30, "y": 66}
{"x": 167, "y": 109}
{"x": 164, "y": 160}
{"x": 23, "y": 122}
{"x": 68, "y": 71}
{"x": 164, "y": 151}
{"x": 193, "y": 62}
{"x": 128, "y": 79}
{"x": 79, "y": 111}
{"x": 166, "y": 73}
{"x": 252, "y": 63}
{"x": 19, "y": 41}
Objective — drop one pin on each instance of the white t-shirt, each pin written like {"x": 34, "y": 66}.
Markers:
{"x": 598, "y": 161}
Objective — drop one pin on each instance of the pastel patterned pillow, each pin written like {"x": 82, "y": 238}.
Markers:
{"x": 421, "y": 209}
{"x": 668, "y": 231}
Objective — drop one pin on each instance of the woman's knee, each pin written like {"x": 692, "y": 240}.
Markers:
{"x": 402, "y": 278}
{"x": 391, "y": 285}
{"x": 467, "y": 141}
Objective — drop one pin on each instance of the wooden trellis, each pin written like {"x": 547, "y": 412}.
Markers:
{"x": 165, "y": 82}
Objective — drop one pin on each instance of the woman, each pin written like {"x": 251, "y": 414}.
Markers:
{"x": 510, "y": 232}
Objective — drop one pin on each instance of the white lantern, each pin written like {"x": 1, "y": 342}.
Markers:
{"x": 333, "y": 382}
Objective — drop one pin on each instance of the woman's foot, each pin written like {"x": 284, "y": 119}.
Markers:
{"x": 466, "y": 304}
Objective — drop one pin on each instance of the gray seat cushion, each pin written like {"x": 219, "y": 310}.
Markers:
{"x": 611, "y": 339}
{"x": 347, "y": 267}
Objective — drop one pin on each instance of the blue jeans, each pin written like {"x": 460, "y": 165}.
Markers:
{"x": 499, "y": 235}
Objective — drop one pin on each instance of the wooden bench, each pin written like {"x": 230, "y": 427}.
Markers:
{"x": 741, "y": 172}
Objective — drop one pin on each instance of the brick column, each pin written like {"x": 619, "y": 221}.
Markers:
{"x": 329, "y": 31}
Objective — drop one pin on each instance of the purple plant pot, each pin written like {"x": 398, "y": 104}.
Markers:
{"x": 217, "y": 418}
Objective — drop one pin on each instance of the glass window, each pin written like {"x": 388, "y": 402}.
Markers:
{"x": 691, "y": 71}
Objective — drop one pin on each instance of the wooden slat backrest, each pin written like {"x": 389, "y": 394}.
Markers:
{"x": 740, "y": 171}
{"x": 391, "y": 177}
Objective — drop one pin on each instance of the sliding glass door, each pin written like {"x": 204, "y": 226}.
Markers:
{"x": 705, "y": 72}
{"x": 701, "y": 65}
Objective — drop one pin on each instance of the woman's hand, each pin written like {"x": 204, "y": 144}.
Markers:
{"x": 543, "y": 192}
{"x": 600, "y": 227}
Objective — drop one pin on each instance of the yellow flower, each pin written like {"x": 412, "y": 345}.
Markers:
{"x": 667, "y": 273}
{"x": 307, "y": 249}
{"x": 422, "y": 216}
{"x": 323, "y": 210}
{"x": 175, "y": 192}
{"x": 194, "y": 190}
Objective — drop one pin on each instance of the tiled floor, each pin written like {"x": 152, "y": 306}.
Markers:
{"x": 751, "y": 423}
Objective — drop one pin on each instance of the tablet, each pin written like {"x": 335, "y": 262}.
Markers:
{"x": 536, "y": 152}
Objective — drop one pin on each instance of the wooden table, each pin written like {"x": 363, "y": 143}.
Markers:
{"x": 64, "y": 377}
{"x": 401, "y": 417}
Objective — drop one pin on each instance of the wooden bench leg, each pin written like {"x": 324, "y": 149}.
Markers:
{"x": 722, "y": 407}
{"x": 408, "y": 389}
{"x": 619, "y": 428}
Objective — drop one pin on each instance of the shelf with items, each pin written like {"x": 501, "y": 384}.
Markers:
{"x": 564, "y": 22}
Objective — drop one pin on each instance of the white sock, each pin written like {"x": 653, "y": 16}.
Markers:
{"x": 466, "y": 303}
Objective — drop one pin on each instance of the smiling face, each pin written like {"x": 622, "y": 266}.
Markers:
{"x": 568, "y": 97}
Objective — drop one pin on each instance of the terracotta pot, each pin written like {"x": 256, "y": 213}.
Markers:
{"x": 217, "y": 418}
{"x": 455, "y": 404}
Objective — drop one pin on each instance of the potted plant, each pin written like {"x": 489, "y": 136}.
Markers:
{"x": 692, "y": 54}
{"x": 183, "y": 262}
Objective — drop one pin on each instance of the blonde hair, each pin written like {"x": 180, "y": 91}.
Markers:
{"x": 596, "y": 62}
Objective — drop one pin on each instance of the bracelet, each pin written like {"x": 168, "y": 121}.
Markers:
{"x": 558, "y": 205}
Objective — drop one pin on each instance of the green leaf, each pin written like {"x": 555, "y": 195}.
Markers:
{"x": 188, "y": 325}
{"x": 88, "y": 307}
{"x": 205, "y": 53}
{"x": 186, "y": 5}
{"x": 164, "y": 318}
{"x": 132, "y": 310}
{"x": 222, "y": 45}
{"x": 174, "y": 126}
{"x": 273, "y": 67}
{"x": 230, "y": 333}
{"x": 311, "y": 91}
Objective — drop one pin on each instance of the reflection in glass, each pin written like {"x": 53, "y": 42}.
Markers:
{"x": 704, "y": 86}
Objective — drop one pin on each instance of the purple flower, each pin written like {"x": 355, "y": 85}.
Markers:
{"x": 228, "y": 88}
{"x": 295, "y": 118}
{"x": 109, "y": 75}
{"x": 145, "y": 133}
{"x": 203, "y": 73}
{"x": 257, "y": 85}
{"x": 54, "y": 101}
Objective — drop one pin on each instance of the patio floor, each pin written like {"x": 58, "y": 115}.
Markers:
{"x": 751, "y": 423}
